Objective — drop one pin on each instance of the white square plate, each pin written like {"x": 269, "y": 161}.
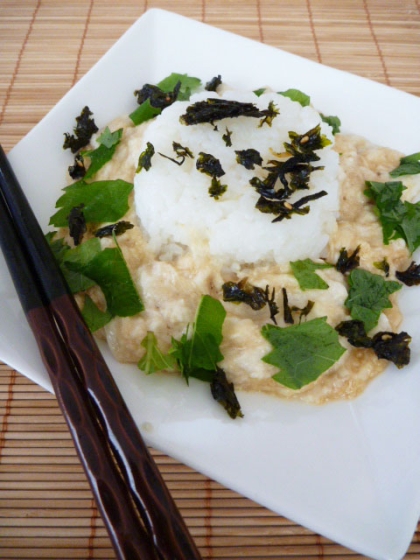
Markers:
{"x": 351, "y": 470}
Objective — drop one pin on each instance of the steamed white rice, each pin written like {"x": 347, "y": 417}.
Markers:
{"x": 175, "y": 208}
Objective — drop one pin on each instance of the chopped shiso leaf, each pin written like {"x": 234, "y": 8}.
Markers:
{"x": 213, "y": 84}
{"x": 302, "y": 352}
{"x": 94, "y": 317}
{"x": 114, "y": 229}
{"x": 409, "y": 165}
{"x": 108, "y": 142}
{"x": 196, "y": 354}
{"x": 83, "y": 131}
{"x": 77, "y": 224}
{"x": 248, "y": 158}
{"x": 368, "y": 296}
{"x": 259, "y": 92}
{"x": 153, "y": 99}
{"x": 399, "y": 219}
{"x": 304, "y": 272}
{"x": 154, "y": 359}
{"x": 410, "y": 276}
{"x": 108, "y": 269}
{"x": 297, "y": 95}
{"x": 198, "y": 349}
{"x": 346, "y": 261}
{"x": 212, "y": 110}
{"x": 390, "y": 346}
{"x": 103, "y": 201}
{"x": 287, "y": 311}
{"x": 224, "y": 393}
{"x": 145, "y": 158}
{"x": 76, "y": 282}
{"x": 334, "y": 122}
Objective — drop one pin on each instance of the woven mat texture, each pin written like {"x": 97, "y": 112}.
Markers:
{"x": 46, "y": 46}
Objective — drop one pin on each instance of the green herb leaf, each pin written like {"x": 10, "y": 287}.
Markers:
{"x": 103, "y": 201}
{"x": 304, "y": 272}
{"x": 109, "y": 270}
{"x": 409, "y": 165}
{"x": 108, "y": 142}
{"x": 297, "y": 95}
{"x": 200, "y": 350}
{"x": 93, "y": 316}
{"x": 76, "y": 282}
{"x": 334, "y": 122}
{"x": 369, "y": 296}
{"x": 186, "y": 84}
{"x": 144, "y": 112}
{"x": 189, "y": 84}
{"x": 399, "y": 220}
{"x": 154, "y": 359}
{"x": 302, "y": 352}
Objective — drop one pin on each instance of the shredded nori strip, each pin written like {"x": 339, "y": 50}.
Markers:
{"x": 348, "y": 261}
{"x": 182, "y": 152}
{"x": 158, "y": 98}
{"x": 216, "y": 188}
{"x": 213, "y": 84}
{"x": 212, "y": 110}
{"x": 78, "y": 169}
{"x": 77, "y": 224}
{"x": 390, "y": 346}
{"x": 83, "y": 131}
{"x": 227, "y": 138}
{"x": 393, "y": 347}
{"x": 285, "y": 209}
{"x": 113, "y": 229}
{"x": 249, "y": 158}
{"x": 254, "y": 296}
{"x": 383, "y": 265}
{"x": 145, "y": 158}
{"x": 210, "y": 165}
{"x": 306, "y": 143}
{"x": 287, "y": 311}
{"x": 224, "y": 393}
{"x": 410, "y": 276}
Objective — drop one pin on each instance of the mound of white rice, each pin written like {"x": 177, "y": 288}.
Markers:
{"x": 173, "y": 202}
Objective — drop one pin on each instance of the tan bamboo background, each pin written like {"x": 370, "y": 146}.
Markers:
{"x": 46, "y": 508}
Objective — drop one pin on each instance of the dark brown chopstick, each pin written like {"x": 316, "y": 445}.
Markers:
{"x": 138, "y": 510}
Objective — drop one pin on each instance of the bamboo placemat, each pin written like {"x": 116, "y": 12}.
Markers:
{"x": 46, "y": 508}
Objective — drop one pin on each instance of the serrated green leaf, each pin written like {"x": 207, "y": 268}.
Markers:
{"x": 304, "y": 272}
{"x": 369, "y": 296}
{"x": 297, "y": 95}
{"x": 200, "y": 349}
{"x": 109, "y": 270}
{"x": 302, "y": 352}
{"x": 409, "y": 165}
{"x": 399, "y": 220}
{"x": 94, "y": 317}
{"x": 102, "y": 201}
{"x": 154, "y": 359}
{"x": 108, "y": 142}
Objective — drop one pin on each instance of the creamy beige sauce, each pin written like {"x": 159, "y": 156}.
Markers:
{"x": 171, "y": 288}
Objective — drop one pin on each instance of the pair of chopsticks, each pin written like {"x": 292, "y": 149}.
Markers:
{"x": 142, "y": 519}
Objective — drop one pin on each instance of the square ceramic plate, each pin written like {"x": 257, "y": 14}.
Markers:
{"x": 350, "y": 470}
